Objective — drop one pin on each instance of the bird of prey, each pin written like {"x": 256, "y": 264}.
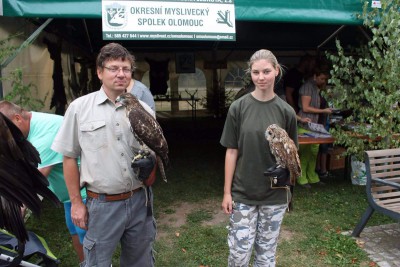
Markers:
{"x": 284, "y": 150}
{"x": 146, "y": 130}
{"x": 20, "y": 180}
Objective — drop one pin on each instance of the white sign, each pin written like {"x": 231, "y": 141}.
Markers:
{"x": 169, "y": 20}
{"x": 376, "y": 4}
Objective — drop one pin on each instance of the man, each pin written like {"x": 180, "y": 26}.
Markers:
{"x": 40, "y": 129}
{"x": 119, "y": 206}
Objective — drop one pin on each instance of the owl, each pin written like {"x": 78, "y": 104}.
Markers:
{"x": 284, "y": 150}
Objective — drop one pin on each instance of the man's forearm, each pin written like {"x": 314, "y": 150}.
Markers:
{"x": 71, "y": 174}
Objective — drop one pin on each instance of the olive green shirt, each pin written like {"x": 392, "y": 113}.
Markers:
{"x": 244, "y": 129}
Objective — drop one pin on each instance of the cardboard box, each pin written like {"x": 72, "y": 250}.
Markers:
{"x": 335, "y": 159}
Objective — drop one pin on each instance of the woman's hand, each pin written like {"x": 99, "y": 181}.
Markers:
{"x": 227, "y": 203}
{"x": 303, "y": 120}
{"x": 327, "y": 111}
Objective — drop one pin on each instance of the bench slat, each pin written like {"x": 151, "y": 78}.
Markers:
{"x": 388, "y": 201}
{"x": 385, "y": 194}
{"x": 381, "y": 171}
{"x": 383, "y": 152}
{"x": 387, "y": 159}
{"x": 382, "y": 188}
{"x": 387, "y": 162}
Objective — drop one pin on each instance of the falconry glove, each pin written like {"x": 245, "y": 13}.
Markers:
{"x": 280, "y": 177}
{"x": 145, "y": 165}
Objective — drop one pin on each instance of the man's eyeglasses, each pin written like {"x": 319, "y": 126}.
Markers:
{"x": 115, "y": 69}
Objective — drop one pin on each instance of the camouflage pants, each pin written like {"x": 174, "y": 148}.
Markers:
{"x": 249, "y": 223}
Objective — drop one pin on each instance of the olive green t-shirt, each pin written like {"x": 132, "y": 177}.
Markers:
{"x": 244, "y": 129}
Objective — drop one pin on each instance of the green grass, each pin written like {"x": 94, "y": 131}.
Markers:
{"x": 311, "y": 233}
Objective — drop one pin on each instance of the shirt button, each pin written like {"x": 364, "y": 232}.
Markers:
{"x": 124, "y": 170}
{"x": 117, "y": 124}
{"x": 122, "y": 154}
{"x": 118, "y": 138}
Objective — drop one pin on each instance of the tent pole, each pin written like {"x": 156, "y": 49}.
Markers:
{"x": 87, "y": 35}
{"x": 364, "y": 33}
{"x": 24, "y": 44}
{"x": 331, "y": 36}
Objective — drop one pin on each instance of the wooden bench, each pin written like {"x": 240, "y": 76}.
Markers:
{"x": 383, "y": 185}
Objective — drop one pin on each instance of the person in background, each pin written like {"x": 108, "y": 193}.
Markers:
{"x": 256, "y": 210}
{"x": 41, "y": 129}
{"x": 119, "y": 205}
{"x": 141, "y": 91}
{"x": 295, "y": 78}
{"x": 310, "y": 103}
{"x": 322, "y": 156}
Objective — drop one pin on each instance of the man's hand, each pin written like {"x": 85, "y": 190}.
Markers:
{"x": 280, "y": 176}
{"x": 145, "y": 165}
{"x": 79, "y": 215}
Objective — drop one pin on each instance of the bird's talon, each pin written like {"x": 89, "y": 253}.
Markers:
{"x": 138, "y": 156}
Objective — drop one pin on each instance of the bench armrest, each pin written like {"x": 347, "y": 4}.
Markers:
{"x": 384, "y": 182}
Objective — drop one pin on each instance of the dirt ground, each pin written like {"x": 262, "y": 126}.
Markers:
{"x": 178, "y": 218}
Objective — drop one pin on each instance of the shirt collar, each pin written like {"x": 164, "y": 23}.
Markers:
{"x": 101, "y": 97}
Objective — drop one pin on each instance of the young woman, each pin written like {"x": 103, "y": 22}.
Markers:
{"x": 256, "y": 210}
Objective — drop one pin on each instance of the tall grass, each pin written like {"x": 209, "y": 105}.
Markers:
{"x": 311, "y": 233}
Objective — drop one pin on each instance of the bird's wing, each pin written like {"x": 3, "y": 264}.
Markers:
{"x": 292, "y": 152}
{"x": 11, "y": 219}
{"x": 9, "y": 133}
{"x": 20, "y": 180}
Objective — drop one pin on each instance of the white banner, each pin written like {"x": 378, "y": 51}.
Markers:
{"x": 169, "y": 20}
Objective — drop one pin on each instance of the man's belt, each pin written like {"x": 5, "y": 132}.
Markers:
{"x": 114, "y": 197}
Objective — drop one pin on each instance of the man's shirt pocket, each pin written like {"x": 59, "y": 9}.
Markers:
{"x": 93, "y": 135}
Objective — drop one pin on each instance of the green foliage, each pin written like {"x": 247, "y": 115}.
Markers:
{"x": 21, "y": 93}
{"x": 6, "y": 48}
{"x": 366, "y": 82}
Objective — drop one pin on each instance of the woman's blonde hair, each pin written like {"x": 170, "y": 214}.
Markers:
{"x": 268, "y": 56}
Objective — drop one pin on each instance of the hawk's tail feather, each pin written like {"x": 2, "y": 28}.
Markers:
{"x": 161, "y": 168}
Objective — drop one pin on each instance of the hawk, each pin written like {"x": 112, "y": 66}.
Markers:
{"x": 20, "y": 180}
{"x": 146, "y": 130}
{"x": 284, "y": 150}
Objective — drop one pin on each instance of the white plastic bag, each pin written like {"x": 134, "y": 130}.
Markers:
{"x": 358, "y": 172}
